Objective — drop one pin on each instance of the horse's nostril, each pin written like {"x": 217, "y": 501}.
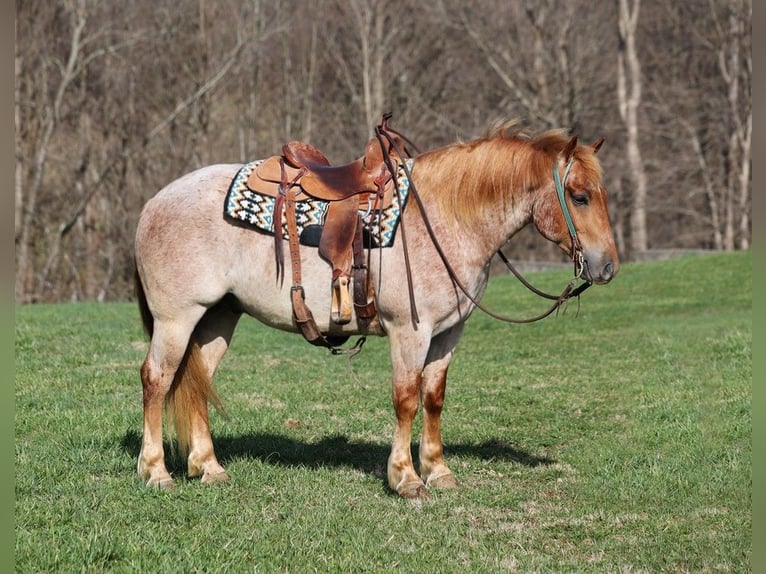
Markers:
{"x": 607, "y": 271}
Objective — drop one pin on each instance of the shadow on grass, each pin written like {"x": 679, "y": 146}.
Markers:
{"x": 337, "y": 450}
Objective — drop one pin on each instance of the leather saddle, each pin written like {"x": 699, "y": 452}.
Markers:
{"x": 303, "y": 173}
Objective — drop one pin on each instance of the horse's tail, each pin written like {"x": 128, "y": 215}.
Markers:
{"x": 189, "y": 395}
{"x": 146, "y": 316}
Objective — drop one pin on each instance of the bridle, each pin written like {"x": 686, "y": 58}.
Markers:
{"x": 571, "y": 290}
{"x": 560, "y": 183}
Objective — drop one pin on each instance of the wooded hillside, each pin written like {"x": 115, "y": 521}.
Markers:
{"x": 116, "y": 99}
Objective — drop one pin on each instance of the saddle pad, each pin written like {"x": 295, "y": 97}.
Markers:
{"x": 257, "y": 210}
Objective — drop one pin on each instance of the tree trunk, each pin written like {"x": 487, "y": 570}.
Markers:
{"x": 731, "y": 58}
{"x": 370, "y": 20}
{"x": 629, "y": 93}
{"x": 308, "y": 95}
{"x": 745, "y": 186}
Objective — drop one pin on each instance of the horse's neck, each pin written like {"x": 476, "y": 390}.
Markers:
{"x": 478, "y": 232}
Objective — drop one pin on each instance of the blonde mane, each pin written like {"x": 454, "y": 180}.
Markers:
{"x": 466, "y": 178}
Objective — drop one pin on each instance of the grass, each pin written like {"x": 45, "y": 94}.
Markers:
{"x": 613, "y": 440}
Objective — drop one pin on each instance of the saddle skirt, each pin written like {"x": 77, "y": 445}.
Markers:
{"x": 252, "y": 198}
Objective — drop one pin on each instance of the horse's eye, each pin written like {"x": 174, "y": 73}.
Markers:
{"x": 579, "y": 199}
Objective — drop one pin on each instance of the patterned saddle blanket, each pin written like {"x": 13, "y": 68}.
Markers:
{"x": 257, "y": 209}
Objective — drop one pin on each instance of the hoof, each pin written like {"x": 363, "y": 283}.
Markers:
{"x": 413, "y": 490}
{"x": 215, "y": 478}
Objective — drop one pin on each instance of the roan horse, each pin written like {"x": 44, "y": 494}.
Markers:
{"x": 198, "y": 272}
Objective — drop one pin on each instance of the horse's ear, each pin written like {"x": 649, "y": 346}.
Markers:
{"x": 597, "y": 145}
{"x": 569, "y": 149}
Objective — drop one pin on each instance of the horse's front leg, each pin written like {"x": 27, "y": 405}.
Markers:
{"x": 407, "y": 358}
{"x": 401, "y": 473}
{"x": 433, "y": 469}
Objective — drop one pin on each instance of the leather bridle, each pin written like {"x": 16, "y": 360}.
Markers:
{"x": 560, "y": 182}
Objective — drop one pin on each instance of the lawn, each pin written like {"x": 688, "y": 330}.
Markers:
{"x": 613, "y": 438}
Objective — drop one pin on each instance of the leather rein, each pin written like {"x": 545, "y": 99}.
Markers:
{"x": 571, "y": 290}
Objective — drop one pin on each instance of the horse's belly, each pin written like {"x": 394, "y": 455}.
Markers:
{"x": 268, "y": 299}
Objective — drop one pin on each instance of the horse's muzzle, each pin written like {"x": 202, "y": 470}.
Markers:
{"x": 600, "y": 271}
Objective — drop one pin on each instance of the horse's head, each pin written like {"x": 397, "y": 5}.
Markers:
{"x": 579, "y": 221}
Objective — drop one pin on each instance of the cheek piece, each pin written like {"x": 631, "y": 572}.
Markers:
{"x": 577, "y": 254}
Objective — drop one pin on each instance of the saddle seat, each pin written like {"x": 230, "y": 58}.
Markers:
{"x": 335, "y": 183}
{"x": 303, "y": 172}
{"x": 301, "y": 154}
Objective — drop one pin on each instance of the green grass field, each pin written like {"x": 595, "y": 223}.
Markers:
{"x": 613, "y": 440}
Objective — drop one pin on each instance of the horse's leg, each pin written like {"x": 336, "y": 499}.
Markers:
{"x": 213, "y": 335}
{"x": 166, "y": 351}
{"x": 407, "y": 358}
{"x": 433, "y": 470}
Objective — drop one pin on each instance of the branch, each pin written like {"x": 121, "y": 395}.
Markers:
{"x": 231, "y": 58}
{"x": 501, "y": 73}
{"x": 211, "y": 83}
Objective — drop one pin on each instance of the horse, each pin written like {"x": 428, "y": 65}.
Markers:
{"x": 197, "y": 273}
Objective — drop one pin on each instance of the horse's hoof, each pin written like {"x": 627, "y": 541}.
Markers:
{"x": 444, "y": 482}
{"x": 413, "y": 490}
{"x": 165, "y": 484}
{"x": 215, "y": 478}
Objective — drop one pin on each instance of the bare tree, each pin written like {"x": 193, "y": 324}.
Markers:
{"x": 629, "y": 93}
{"x": 56, "y": 75}
{"x": 699, "y": 104}
{"x": 526, "y": 74}
{"x": 75, "y": 159}
{"x": 114, "y": 100}
{"x": 735, "y": 62}
{"x": 358, "y": 37}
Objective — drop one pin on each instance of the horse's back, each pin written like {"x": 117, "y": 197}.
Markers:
{"x": 191, "y": 193}
{"x": 189, "y": 255}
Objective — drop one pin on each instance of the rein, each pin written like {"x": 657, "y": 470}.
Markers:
{"x": 577, "y": 255}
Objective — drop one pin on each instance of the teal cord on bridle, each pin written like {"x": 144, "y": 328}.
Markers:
{"x": 560, "y": 182}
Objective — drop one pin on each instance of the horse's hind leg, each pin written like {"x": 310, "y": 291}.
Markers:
{"x": 433, "y": 469}
{"x": 166, "y": 351}
{"x": 213, "y": 335}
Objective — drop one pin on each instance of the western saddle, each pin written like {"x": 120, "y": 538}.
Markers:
{"x": 303, "y": 172}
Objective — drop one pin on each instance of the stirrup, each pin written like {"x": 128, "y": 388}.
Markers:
{"x": 341, "y": 301}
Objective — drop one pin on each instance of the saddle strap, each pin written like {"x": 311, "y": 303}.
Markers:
{"x": 286, "y": 188}
{"x": 364, "y": 310}
{"x": 301, "y": 312}
{"x": 382, "y": 131}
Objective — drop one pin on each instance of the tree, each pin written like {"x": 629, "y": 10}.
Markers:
{"x": 114, "y": 100}
{"x": 698, "y": 75}
{"x": 736, "y": 65}
{"x": 629, "y": 94}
